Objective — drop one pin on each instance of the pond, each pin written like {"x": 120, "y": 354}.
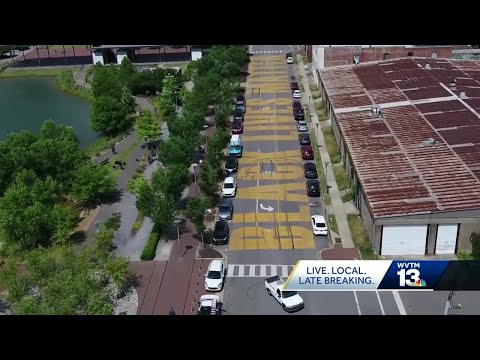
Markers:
{"x": 26, "y": 102}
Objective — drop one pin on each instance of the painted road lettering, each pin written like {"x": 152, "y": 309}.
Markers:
{"x": 280, "y": 217}
{"x": 282, "y": 172}
{"x": 273, "y": 192}
{"x": 280, "y": 237}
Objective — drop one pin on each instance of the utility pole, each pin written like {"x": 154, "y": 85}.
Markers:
{"x": 449, "y": 305}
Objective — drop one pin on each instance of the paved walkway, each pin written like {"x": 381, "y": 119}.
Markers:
{"x": 337, "y": 204}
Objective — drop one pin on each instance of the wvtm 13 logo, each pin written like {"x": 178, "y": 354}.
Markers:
{"x": 409, "y": 275}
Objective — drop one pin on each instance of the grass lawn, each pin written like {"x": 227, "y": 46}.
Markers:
{"x": 332, "y": 223}
{"x": 124, "y": 155}
{"x": 332, "y": 147}
{"x": 347, "y": 196}
{"x": 321, "y": 173}
{"x": 32, "y": 72}
{"x": 463, "y": 255}
{"x": 322, "y": 116}
{"x": 341, "y": 177}
{"x": 360, "y": 237}
{"x": 313, "y": 87}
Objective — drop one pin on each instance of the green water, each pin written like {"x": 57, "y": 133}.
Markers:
{"x": 26, "y": 102}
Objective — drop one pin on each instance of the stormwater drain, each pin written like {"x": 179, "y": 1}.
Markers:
{"x": 338, "y": 240}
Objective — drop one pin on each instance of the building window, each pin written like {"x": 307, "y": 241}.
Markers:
{"x": 356, "y": 59}
{"x": 410, "y": 53}
{"x": 434, "y": 55}
{"x": 386, "y": 56}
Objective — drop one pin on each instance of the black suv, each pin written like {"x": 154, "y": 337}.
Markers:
{"x": 313, "y": 188}
{"x": 238, "y": 114}
{"x": 221, "y": 232}
{"x": 299, "y": 115}
{"x": 231, "y": 165}
{"x": 310, "y": 170}
{"x": 304, "y": 139}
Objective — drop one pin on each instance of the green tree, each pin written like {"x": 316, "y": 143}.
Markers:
{"x": 126, "y": 72}
{"x": 172, "y": 181}
{"x": 195, "y": 211}
{"x": 56, "y": 152}
{"x": 176, "y": 150}
{"x": 209, "y": 179}
{"x": 106, "y": 82}
{"x": 60, "y": 280}
{"x": 135, "y": 184}
{"x": 103, "y": 242}
{"x": 165, "y": 102}
{"x": 158, "y": 205}
{"x": 128, "y": 101}
{"x": 108, "y": 115}
{"x": 148, "y": 126}
{"x": 29, "y": 215}
{"x": 90, "y": 183}
{"x": 475, "y": 241}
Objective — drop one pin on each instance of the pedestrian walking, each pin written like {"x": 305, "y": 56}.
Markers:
{"x": 172, "y": 311}
{"x": 113, "y": 150}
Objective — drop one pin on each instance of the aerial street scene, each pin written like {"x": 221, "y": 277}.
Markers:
{"x": 240, "y": 180}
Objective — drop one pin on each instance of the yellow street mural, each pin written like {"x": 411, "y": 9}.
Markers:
{"x": 281, "y": 237}
{"x": 270, "y": 127}
{"x": 288, "y": 156}
{"x": 268, "y": 120}
{"x": 274, "y": 192}
{"x": 268, "y": 110}
{"x": 282, "y": 173}
{"x": 268, "y": 79}
{"x": 280, "y": 101}
{"x": 275, "y": 137}
{"x": 302, "y": 215}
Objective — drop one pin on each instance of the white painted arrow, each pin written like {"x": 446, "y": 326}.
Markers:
{"x": 269, "y": 208}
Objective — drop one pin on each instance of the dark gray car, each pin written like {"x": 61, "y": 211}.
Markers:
{"x": 225, "y": 210}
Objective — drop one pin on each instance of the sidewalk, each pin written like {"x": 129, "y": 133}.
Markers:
{"x": 337, "y": 204}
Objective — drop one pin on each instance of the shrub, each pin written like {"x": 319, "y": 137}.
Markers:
{"x": 150, "y": 249}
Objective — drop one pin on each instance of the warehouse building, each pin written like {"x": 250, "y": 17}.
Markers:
{"x": 408, "y": 131}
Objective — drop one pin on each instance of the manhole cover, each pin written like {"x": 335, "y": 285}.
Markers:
{"x": 338, "y": 240}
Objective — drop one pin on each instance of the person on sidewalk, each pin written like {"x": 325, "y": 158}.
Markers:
{"x": 172, "y": 311}
{"x": 113, "y": 150}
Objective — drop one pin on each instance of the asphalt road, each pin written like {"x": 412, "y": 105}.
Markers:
{"x": 271, "y": 222}
{"x": 265, "y": 243}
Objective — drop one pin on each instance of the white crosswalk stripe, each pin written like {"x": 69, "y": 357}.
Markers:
{"x": 258, "y": 270}
{"x": 267, "y": 51}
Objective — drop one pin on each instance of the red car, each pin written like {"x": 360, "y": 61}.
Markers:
{"x": 237, "y": 127}
{"x": 307, "y": 152}
{"x": 296, "y": 105}
{"x": 294, "y": 86}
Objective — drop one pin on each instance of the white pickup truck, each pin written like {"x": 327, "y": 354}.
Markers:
{"x": 290, "y": 300}
{"x": 209, "y": 305}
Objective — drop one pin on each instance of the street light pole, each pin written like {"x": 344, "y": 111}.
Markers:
{"x": 449, "y": 305}
{"x": 177, "y": 222}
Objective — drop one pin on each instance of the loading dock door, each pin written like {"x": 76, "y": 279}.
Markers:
{"x": 446, "y": 239}
{"x": 404, "y": 240}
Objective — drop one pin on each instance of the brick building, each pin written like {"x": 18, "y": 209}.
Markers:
{"x": 323, "y": 56}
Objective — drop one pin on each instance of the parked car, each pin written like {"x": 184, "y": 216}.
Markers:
{"x": 238, "y": 114}
{"x": 241, "y": 103}
{"x": 296, "y": 105}
{"x": 290, "y": 300}
{"x": 221, "y": 232}
{"x": 313, "y": 188}
{"x": 215, "y": 276}
{"x": 289, "y": 58}
{"x": 225, "y": 209}
{"x": 237, "y": 127}
{"x": 209, "y": 305}
{"x": 229, "y": 188}
{"x": 231, "y": 164}
{"x": 304, "y": 139}
{"x": 294, "y": 86}
{"x": 307, "y": 152}
{"x": 310, "y": 170}
{"x": 302, "y": 126}
{"x": 297, "y": 94}
{"x": 299, "y": 115}
{"x": 319, "y": 226}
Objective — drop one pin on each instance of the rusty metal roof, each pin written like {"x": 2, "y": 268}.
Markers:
{"x": 398, "y": 173}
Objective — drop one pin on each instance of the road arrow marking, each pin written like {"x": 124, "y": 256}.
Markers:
{"x": 269, "y": 208}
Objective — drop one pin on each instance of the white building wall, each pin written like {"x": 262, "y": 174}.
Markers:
{"x": 97, "y": 57}
{"x": 196, "y": 54}
{"x": 121, "y": 54}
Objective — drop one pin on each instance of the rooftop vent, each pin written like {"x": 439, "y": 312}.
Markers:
{"x": 376, "y": 111}
{"x": 428, "y": 67}
{"x": 463, "y": 95}
{"x": 453, "y": 83}
{"x": 430, "y": 142}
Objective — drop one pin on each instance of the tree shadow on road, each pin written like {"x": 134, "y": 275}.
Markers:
{"x": 110, "y": 197}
